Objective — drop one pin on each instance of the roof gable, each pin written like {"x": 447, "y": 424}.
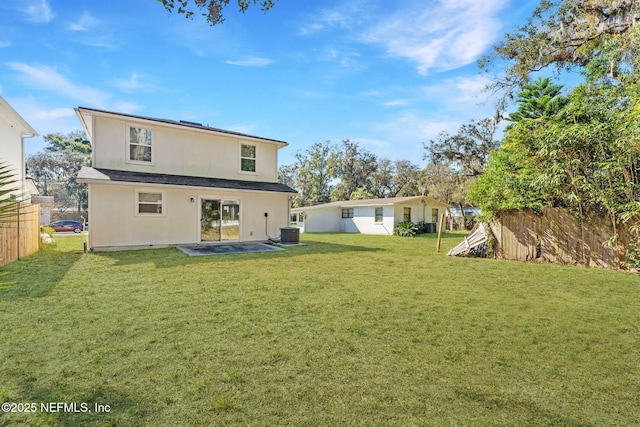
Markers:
{"x": 15, "y": 119}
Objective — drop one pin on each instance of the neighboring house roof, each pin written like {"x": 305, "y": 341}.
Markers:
{"x": 14, "y": 118}
{"x": 99, "y": 175}
{"x": 84, "y": 111}
{"x": 367, "y": 202}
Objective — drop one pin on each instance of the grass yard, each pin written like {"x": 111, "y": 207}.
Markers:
{"x": 348, "y": 330}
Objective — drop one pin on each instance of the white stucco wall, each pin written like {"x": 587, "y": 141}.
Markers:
{"x": 322, "y": 220}
{"x": 180, "y": 151}
{"x": 364, "y": 220}
{"x": 11, "y": 150}
{"x": 113, "y": 220}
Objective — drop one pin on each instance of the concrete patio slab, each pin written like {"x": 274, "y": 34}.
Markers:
{"x": 231, "y": 248}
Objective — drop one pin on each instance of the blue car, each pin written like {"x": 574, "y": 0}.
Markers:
{"x": 75, "y": 226}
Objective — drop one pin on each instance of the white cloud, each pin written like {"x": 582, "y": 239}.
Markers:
{"x": 126, "y": 107}
{"x": 53, "y": 114}
{"x": 134, "y": 83}
{"x": 91, "y": 31}
{"x": 48, "y": 79}
{"x": 86, "y": 22}
{"x": 37, "y": 11}
{"x": 445, "y": 36}
{"x": 346, "y": 16}
{"x": 251, "y": 61}
{"x": 397, "y": 103}
{"x": 463, "y": 96}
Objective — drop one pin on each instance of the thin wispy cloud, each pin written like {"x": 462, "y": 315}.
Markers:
{"x": 55, "y": 113}
{"x": 445, "y": 36}
{"x": 134, "y": 82}
{"x": 38, "y": 11}
{"x": 397, "y": 103}
{"x": 4, "y": 43}
{"x": 48, "y": 79}
{"x": 86, "y": 22}
{"x": 345, "y": 58}
{"x": 348, "y": 15}
{"x": 251, "y": 61}
{"x": 91, "y": 31}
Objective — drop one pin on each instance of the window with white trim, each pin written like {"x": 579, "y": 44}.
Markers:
{"x": 379, "y": 215}
{"x": 149, "y": 203}
{"x": 247, "y": 158}
{"x": 406, "y": 215}
{"x": 140, "y": 144}
{"x": 347, "y": 212}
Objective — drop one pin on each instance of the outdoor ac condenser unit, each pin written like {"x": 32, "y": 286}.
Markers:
{"x": 289, "y": 235}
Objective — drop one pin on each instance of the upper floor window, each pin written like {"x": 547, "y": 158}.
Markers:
{"x": 140, "y": 144}
{"x": 248, "y": 158}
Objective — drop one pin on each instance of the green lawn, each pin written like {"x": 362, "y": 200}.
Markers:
{"x": 348, "y": 330}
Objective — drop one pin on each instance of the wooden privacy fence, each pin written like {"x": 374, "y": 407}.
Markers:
{"x": 557, "y": 236}
{"x": 20, "y": 235}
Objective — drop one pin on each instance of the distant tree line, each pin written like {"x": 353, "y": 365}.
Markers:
{"x": 328, "y": 172}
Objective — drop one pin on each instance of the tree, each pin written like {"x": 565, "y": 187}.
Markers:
{"x": 539, "y": 99}
{"x": 598, "y": 35}
{"x": 312, "y": 174}
{"x": 74, "y": 142}
{"x": 395, "y": 179}
{"x": 212, "y": 9}
{"x": 468, "y": 150}
{"x": 586, "y": 158}
{"x": 354, "y": 167}
{"x": 54, "y": 170}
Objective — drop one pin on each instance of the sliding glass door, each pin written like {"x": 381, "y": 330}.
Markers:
{"x": 219, "y": 220}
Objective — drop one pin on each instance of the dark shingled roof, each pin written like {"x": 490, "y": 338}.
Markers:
{"x": 99, "y": 174}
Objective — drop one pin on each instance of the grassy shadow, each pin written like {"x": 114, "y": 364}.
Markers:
{"x": 172, "y": 257}
{"x": 36, "y": 275}
{"x": 116, "y": 408}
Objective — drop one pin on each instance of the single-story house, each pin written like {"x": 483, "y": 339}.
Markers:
{"x": 370, "y": 216}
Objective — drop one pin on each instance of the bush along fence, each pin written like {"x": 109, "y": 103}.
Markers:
{"x": 555, "y": 235}
{"x": 20, "y": 234}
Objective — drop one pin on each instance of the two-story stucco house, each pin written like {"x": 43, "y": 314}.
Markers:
{"x": 13, "y": 130}
{"x": 157, "y": 182}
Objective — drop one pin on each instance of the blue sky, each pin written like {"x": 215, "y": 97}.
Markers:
{"x": 389, "y": 75}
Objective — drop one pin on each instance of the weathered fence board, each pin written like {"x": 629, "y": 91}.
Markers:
{"x": 556, "y": 236}
{"x": 20, "y": 235}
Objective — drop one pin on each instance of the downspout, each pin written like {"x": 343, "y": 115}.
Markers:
{"x": 24, "y": 179}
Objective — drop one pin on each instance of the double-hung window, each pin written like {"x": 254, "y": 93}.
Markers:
{"x": 378, "y": 214}
{"x": 247, "y": 158}
{"x": 140, "y": 144}
{"x": 347, "y": 213}
{"x": 407, "y": 215}
{"x": 149, "y": 203}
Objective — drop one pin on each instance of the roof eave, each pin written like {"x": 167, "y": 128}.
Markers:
{"x": 178, "y": 125}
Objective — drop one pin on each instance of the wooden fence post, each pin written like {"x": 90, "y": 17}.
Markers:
{"x": 440, "y": 231}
